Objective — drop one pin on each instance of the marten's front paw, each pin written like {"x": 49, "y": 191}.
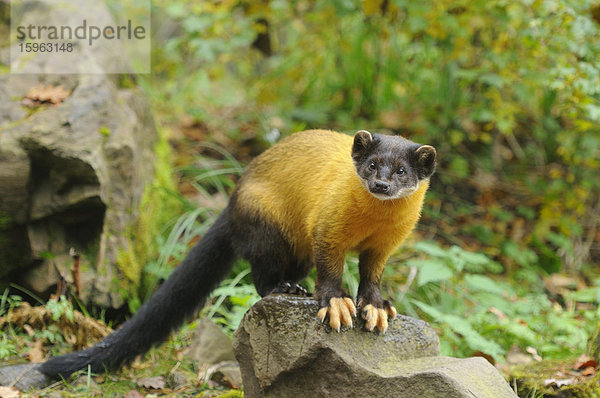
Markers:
{"x": 375, "y": 316}
{"x": 340, "y": 311}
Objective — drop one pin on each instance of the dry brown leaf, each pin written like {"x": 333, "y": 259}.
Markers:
{"x": 498, "y": 313}
{"x": 561, "y": 284}
{"x": 584, "y": 362}
{"x": 488, "y": 357}
{"x": 29, "y": 330}
{"x": 589, "y": 371}
{"x": 84, "y": 329}
{"x": 534, "y": 353}
{"x": 36, "y": 354}
{"x": 157, "y": 383}
{"x": 46, "y": 94}
{"x": 133, "y": 394}
{"x": 9, "y": 392}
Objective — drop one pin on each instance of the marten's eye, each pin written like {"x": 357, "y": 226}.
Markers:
{"x": 372, "y": 166}
{"x": 401, "y": 171}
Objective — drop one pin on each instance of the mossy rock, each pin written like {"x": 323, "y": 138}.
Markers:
{"x": 553, "y": 378}
{"x": 594, "y": 344}
{"x": 64, "y": 184}
{"x": 284, "y": 351}
{"x": 157, "y": 207}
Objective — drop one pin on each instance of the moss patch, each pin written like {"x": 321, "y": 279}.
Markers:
{"x": 157, "y": 207}
{"x": 232, "y": 394}
{"x": 553, "y": 378}
{"x": 594, "y": 343}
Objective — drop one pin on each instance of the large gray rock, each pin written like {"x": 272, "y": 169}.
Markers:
{"x": 72, "y": 175}
{"x": 284, "y": 351}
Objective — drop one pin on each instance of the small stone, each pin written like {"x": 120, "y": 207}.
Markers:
{"x": 213, "y": 351}
{"x": 23, "y": 377}
{"x": 227, "y": 374}
{"x": 178, "y": 379}
{"x": 211, "y": 345}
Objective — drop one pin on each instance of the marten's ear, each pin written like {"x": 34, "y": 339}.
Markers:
{"x": 425, "y": 155}
{"x": 362, "y": 140}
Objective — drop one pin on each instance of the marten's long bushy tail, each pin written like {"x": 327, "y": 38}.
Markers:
{"x": 175, "y": 300}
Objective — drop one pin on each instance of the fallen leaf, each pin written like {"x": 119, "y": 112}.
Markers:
{"x": 36, "y": 354}
{"x": 584, "y": 362}
{"x": 133, "y": 394}
{"x": 534, "y": 353}
{"x": 560, "y": 284}
{"x": 157, "y": 383}
{"x": 46, "y": 94}
{"x": 488, "y": 357}
{"x": 498, "y": 313}
{"x": 558, "y": 382}
{"x": 9, "y": 392}
{"x": 29, "y": 330}
{"x": 589, "y": 371}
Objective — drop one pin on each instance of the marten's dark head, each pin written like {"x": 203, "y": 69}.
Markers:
{"x": 391, "y": 167}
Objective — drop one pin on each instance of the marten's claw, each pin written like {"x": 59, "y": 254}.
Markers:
{"x": 378, "y": 317}
{"x": 294, "y": 288}
{"x": 340, "y": 311}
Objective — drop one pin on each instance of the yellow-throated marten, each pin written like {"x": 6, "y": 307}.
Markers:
{"x": 305, "y": 202}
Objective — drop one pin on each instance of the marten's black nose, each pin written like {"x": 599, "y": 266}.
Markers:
{"x": 381, "y": 187}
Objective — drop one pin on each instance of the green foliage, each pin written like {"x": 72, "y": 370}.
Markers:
{"x": 7, "y": 347}
{"x": 60, "y": 307}
{"x": 209, "y": 177}
{"x": 50, "y": 334}
{"x": 212, "y": 179}
{"x": 463, "y": 330}
{"x": 454, "y": 259}
{"x": 474, "y": 311}
{"x": 239, "y": 293}
{"x": 8, "y": 302}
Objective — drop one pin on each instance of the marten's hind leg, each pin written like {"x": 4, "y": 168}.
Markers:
{"x": 275, "y": 269}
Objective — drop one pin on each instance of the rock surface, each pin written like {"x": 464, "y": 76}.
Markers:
{"x": 212, "y": 351}
{"x": 72, "y": 175}
{"x": 210, "y": 345}
{"x": 284, "y": 351}
{"x": 23, "y": 377}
